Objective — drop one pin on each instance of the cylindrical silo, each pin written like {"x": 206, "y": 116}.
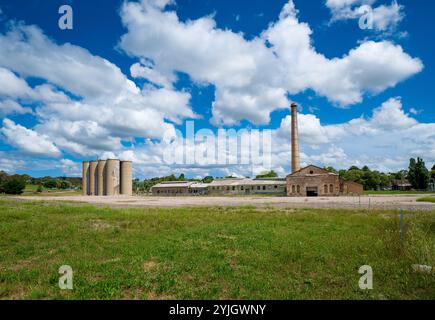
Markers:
{"x": 93, "y": 177}
{"x": 126, "y": 178}
{"x": 101, "y": 178}
{"x": 85, "y": 176}
{"x": 112, "y": 177}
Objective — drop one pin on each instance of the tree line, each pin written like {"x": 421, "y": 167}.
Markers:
{"x": 16, "y": 183}
{"x": 417, "y": 174}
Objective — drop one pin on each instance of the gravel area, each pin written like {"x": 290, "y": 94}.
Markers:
{"x": 406, "y": 202}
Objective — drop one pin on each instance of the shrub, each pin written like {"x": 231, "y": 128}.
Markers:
{"x": 14, "y": 186}
{"x": 50, "y": 184}
{"x": 64, "y": 184}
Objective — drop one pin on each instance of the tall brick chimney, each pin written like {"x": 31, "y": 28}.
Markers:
{"x": 295, "y": 139}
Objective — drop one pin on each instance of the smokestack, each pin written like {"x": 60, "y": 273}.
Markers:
{"x": 295, "y": 139}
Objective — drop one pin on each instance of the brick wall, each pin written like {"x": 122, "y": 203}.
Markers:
{"x": 327, "y": 185}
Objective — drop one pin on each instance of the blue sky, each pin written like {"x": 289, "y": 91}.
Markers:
{"x": 130, "y": 73}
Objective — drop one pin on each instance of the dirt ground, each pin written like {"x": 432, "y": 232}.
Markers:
{"x": 406, "y": 202}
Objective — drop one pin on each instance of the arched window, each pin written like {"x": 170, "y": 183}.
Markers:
{"x": 331, "y": 188}
{"x": 325, "y": 188}
{"x": 293, "y": 189}
{"x": 299, "y": 189}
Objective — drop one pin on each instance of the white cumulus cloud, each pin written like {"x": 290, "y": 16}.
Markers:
{"x": 384, "y": 17}
{"x": 254, "y": 77}
{"x": 27, "y": 140}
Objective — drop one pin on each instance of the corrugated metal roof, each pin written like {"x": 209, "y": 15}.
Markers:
{"x": 221, "y": 183}
{"x": 312, "y": 174}
{"x": 174, "y": 184}
{"x": 200, "y": 185}
{"x": 245, "y": 182}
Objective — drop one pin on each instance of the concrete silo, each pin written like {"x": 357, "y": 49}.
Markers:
{"x": 126, "y": 178}
{"x": 85, "y": 177}
{"x": 112, "y": 177}
{"x": 101, "y": 178}
{"x": 93, "y": 177}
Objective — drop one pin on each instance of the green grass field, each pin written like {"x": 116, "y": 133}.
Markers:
{"x": 31, "y": 190}
{"x": 211, "y": 253}
{"x": 427, "y": 199}
{"x": 390, "y": 192}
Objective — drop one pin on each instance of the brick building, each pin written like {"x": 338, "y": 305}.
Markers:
{"x": 313, "y": 181}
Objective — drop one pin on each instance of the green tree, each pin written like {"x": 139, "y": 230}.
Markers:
{"x": 267, "y": 174}
{"x": 371, "y": 179}
{"x": 432, "y": 173}
{"x": 14, "y": 186}
{"x": 385, "y": 181}
{"x": 50, "y": 184}
{"x": 208, "y": 179}
{"x": 401, "y": 175}
{"x": 3, "y": 179}
{"x": 64, "y": 184}
{"x": 418, "y": 174}
{"x": 182, "y": 177}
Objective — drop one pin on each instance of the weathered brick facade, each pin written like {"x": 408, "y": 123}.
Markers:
{"x": 351, "y": 188}
{"x": 314, "y": 181}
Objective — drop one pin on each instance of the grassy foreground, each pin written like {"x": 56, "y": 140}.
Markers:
{"x": 427, "y": 199}
{"x": 396, "y": 193}
{"x": 211, "y": 253}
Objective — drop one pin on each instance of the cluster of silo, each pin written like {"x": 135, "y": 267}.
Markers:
{"x": 109, "y": 177}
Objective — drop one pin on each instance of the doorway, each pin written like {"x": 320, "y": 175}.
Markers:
{"x": 312, "y": 191}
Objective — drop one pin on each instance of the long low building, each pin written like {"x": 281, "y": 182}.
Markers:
{"x": 311, "y": 181}
{"x": 221, "y": 187}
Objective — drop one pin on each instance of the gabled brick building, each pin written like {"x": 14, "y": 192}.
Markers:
{"x": 313, "y": 181}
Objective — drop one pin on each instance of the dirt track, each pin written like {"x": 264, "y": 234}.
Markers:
{"x": 382, "y": 202}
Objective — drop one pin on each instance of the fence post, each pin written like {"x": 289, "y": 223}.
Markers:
{"x": 402, "y": 225}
